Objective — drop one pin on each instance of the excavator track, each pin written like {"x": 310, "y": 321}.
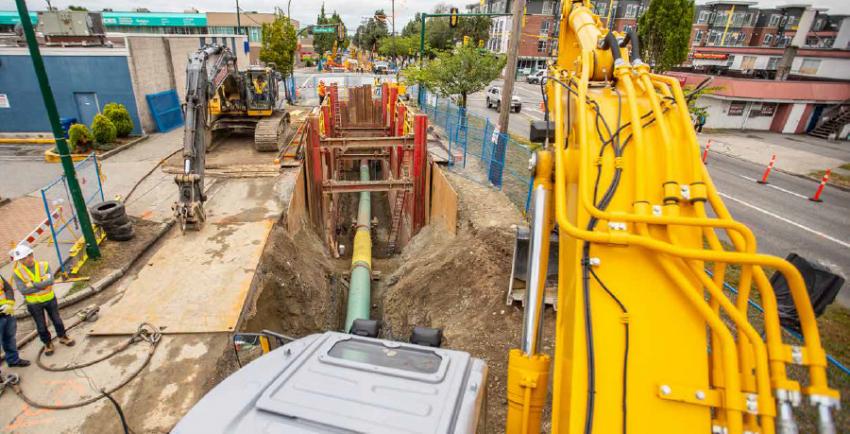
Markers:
{"x": 269, "y": 131}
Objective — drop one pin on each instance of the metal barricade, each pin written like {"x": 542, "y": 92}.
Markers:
{"x": 61, "y": 215}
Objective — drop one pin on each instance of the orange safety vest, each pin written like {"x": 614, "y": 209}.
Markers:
{"x": 30, "y": 277}
{"x": 321, "y": 90}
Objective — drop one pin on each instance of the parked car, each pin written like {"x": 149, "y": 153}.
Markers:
{"x": 380, "y": 67}
{"x": 494, "y": 99}
{"x": 536, "y": 77}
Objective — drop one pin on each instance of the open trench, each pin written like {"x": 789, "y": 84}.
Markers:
{"x": 454, "y": 282}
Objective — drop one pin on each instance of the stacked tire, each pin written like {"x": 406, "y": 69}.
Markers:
{"x": 112, "y": 217}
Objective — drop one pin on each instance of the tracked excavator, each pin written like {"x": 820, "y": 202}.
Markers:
{"x": 221, "y": 99}
{"x": 646, "y": 338}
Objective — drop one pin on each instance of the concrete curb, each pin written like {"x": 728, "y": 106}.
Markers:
{"x": 109, "y": 279}
{"x": 798, "y": 175}
{"x": 123, "y": 147}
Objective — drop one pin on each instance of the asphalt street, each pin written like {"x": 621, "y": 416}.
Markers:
{"x": 519, "y": 122}
{"x": 779, "y": 213}
{"x": 782, "y": 217}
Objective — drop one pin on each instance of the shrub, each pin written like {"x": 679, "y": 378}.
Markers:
{"x": 120, "y": 117}
{"x": 103, "y": 130}
{"x": 79, "y": 137}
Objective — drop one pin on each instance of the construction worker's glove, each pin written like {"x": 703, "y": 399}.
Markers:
{"x": 7, "y": 309}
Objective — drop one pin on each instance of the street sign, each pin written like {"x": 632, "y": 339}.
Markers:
{"x": 324, "y": 29}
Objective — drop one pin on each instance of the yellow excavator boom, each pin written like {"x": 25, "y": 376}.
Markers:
{"x": 646, "y": 340}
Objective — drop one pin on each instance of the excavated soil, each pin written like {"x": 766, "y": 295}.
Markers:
{"x": 454, "y": 282}
{"x": 299, "y": 290}
{"x": 459, "y": 284}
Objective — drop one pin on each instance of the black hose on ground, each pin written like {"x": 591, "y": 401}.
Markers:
{"x": 118, "y": 409}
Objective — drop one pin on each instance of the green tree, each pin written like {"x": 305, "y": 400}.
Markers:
{"x": 464, "y": 70}
{"x": 440, "y": 36}
{"x": 325, "y": 41}
{"x": 369, "y": 34}
{"x": 399, "y": 48}
{"x": 279, "y": 44}
{"x": 664, "y": 32}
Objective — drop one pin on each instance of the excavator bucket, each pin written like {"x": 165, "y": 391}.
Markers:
{"x": 519, "y": 269}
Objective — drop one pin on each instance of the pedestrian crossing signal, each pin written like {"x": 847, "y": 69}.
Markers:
{"x": 453, "y": 18}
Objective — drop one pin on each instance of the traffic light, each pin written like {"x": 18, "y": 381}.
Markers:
{"x": 465, "y": 41}
{"x": 340, "y": 32}
{"x": 453, "y": 18}
{"x": 480, "y": 43}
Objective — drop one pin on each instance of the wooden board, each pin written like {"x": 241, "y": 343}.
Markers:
{"x": 443, "y": 200}
{"x": 195, "y": 283}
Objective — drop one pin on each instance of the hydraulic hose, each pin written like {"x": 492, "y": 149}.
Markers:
{"x": 359, "y": 291}
{"x": 632, "y": 37}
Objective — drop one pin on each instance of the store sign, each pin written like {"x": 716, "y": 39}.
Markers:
{"x": 711, "y": 56}
{"x": 4, "y": 101}
{"x": 9, "y": 18}
{"x": 132, "y": 19}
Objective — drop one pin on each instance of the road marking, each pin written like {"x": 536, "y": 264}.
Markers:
{"x": 790, "y": 222}
{"x": 777, "y": 188}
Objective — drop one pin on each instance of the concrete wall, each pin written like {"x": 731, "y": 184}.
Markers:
{"x": 158, "y": 63}
{"x": 718, "y": 115}
{"x": 101, "y": 71}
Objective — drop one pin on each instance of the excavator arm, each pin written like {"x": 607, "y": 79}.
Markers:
{"x": 646, "y": 338}
{"x": 206, "y": 71}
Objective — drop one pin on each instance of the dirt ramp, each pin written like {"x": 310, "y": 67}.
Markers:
{"x": 299, "y": 291}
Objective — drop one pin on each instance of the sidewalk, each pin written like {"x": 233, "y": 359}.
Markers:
{"x": 795, "y": 154}
{"x": 152, "y": 199}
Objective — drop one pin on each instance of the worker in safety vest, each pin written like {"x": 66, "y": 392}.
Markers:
{"x": 322, "y": 91}
{"x": 9, "y": 325}
{"x": 33, "y": 279}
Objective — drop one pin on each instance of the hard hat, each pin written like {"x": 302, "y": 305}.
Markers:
{"x": 21, "y": 251}
{"x": 321, "y": 81}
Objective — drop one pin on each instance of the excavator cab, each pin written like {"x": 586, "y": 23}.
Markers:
{"x": 261, "y": 89}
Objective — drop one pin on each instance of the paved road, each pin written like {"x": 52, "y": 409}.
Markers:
{"x": 519, "y": 122}
{"x": 779, "y": 213}
{"x": 782, "y": 217}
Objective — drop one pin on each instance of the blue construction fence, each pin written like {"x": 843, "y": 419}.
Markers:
{"x": 64, "y": 225}
{"x": 477, "y": 148}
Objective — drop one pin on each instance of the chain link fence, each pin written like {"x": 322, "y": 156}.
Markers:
{"x": 478, "y": 151}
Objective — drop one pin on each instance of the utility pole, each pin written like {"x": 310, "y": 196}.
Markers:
{"x": 238, "y": 21}
{"x": 92, "y": 249}
{"x": 510, "y": 69}
{"x": 393, "y": 17}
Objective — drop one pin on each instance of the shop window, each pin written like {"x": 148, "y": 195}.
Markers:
{"x": 809, "y": 66}
{"x": 736, "y": 108}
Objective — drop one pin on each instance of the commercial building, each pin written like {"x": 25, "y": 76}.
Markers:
{"x": 170, "y": 23}
{"x": 137, "y": 71}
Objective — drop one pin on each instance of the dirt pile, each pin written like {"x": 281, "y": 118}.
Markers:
{"x": 299, "y": 292}
{"x": 459, "y": 283}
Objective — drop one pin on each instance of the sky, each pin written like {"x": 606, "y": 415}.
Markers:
{"x": 305, "y": 11}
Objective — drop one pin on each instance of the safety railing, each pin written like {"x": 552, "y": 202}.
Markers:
{"x": 479, "y": 151}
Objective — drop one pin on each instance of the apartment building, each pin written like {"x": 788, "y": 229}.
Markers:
{"x": 538, "y": 35}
